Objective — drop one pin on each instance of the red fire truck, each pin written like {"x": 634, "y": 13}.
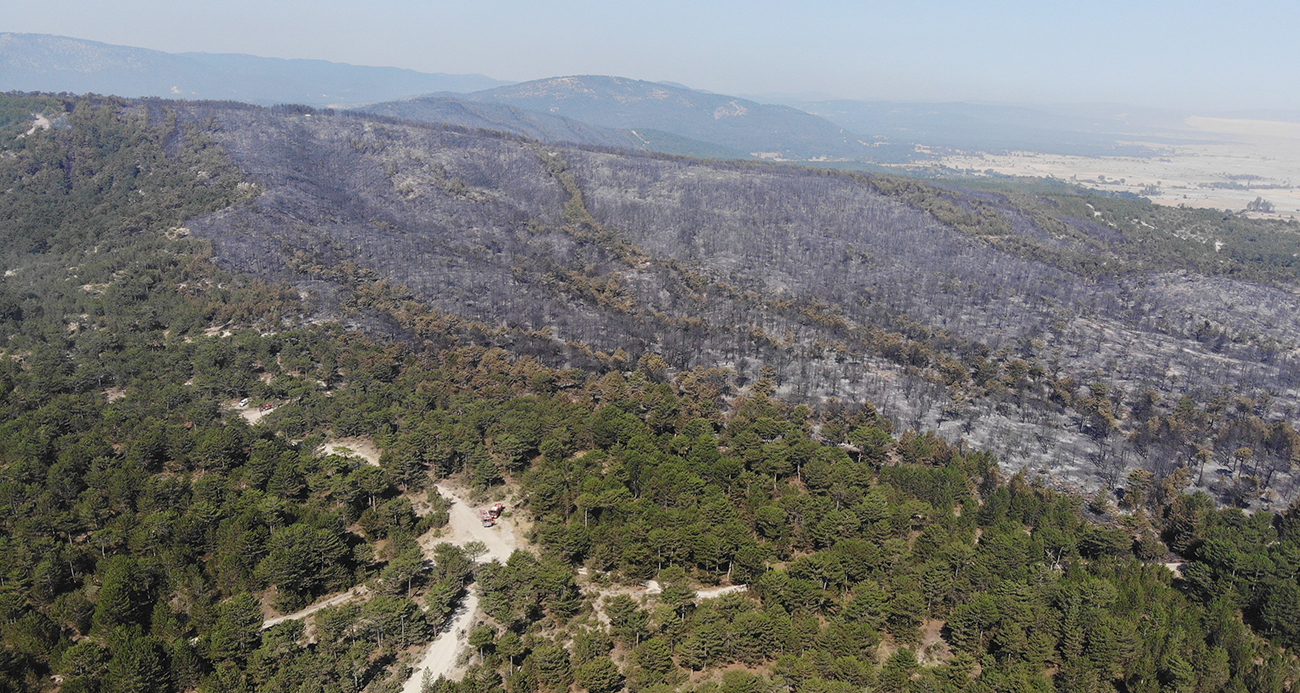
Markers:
{"x": 490, "y": 514}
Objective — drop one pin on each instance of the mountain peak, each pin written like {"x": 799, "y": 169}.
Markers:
{"x": 593, "y": 87}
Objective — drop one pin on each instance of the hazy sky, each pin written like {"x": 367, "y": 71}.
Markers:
{"x": 1188, "y": 54}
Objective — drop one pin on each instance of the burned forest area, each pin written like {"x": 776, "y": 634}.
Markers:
{"x": 314, "y": 401}
{"x": 1078, "y": 337}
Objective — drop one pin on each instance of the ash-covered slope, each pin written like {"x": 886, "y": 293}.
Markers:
{"x": 994, "y": 324}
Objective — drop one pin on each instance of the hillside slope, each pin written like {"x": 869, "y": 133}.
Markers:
{"x": 1029, "y": 324}
{"x": 628, "y": 104}
{"x": 39, "y": 62}
{"x": 546, "y": 127}
{"x": 678, "y": 524}
{"x": 503, "y": 118}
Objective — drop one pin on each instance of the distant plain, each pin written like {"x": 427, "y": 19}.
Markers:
{"x": 1211, "y": 163}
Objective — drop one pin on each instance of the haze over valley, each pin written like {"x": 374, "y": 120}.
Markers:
{"x": 1217, "y": 159}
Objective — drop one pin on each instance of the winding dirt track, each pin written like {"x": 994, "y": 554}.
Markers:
{"x": 337, "y": 599}
{"x": 464, "y": 526}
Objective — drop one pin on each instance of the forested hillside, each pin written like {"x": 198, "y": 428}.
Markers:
{"x": 1074, "y": 335}
{"x": 149, "y": 530}
{"x": 547, "y": 127}
{"x": 749, "y": 128}
{"x": 502, "y": 118}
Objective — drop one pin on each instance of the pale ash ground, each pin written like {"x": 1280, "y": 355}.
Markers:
{"x": 1239, "y": 151}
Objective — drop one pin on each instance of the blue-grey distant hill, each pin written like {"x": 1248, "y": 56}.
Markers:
{"x": 40, "y": 62}
{"x": 653, "y": 110}
{"x": 548, "y": 127}
{"x": 442, "y": 108}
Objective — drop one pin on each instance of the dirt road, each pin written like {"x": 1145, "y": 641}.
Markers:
{"x": 252, "y": 414}
{"x": 440, "y": 658}
{"x": 337, "y": 599}
{"x": 463, "y": 526}
{"x": 598, "y": 595}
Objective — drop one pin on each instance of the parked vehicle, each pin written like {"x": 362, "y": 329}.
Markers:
{"x": 491, "y": 514}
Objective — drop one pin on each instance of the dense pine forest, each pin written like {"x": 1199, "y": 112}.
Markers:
{"x": 149, "y": 530}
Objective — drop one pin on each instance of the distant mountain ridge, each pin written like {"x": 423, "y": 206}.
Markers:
{"x": 41, "y": 62}
{"x": 484, "y": 115}
{"x": 594, "y": 110}
{"x": 733, "y": 123}
{"x": 587, "y": 109}
{"x": 547, "y": 127}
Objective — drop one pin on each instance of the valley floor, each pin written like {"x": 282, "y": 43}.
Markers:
{"x": 1222, "y": 164}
